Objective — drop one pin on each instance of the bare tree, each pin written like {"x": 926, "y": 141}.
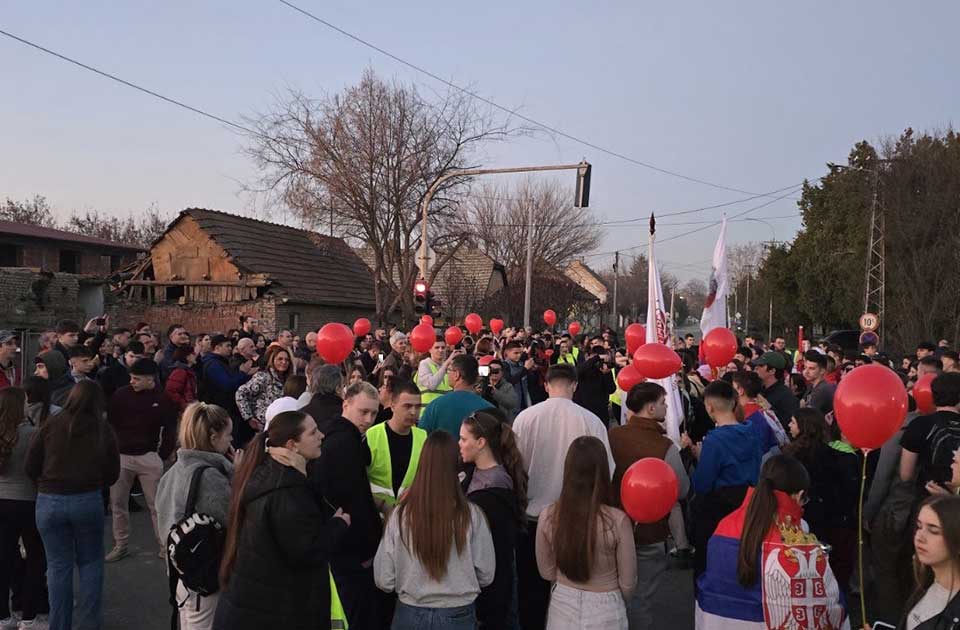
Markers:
{"x": 561, "y": 232}
{"x": 136, "y": 229}
{"x": 34, "y": 211}
{"x": 363, "y": 160}
{"x": 744, "y": 259}
{"x": 695, "y": 293}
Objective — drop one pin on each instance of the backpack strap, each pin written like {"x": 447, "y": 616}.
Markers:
{"x": 194, "y": 488}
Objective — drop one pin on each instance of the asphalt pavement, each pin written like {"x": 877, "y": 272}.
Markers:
{"x": 135, "y": 588}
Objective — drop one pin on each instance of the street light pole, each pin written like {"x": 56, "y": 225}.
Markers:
{"x": 582, "y": 167}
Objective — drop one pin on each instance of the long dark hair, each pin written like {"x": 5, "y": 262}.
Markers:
{"x": 813, "y": 433}
{"x": 12, "y": 402}
{"x": 38, "y": 391}
{"x": 578, "y": 517}
{"x": 947, "y": 509}
{"x": 284, "y": 427}
{"x": 503, "y": 444}
{"x": 434, "y": 512}
{"x": 85, "y": 406}
{"x": 780, "y": 472}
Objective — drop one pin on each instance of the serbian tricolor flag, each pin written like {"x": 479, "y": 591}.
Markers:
{"x": 658, "y": 332}
{"x": 795, "y": 588}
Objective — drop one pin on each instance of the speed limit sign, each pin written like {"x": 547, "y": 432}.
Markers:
{"x": 869, "y": 321}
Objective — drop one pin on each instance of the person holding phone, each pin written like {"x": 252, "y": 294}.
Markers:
{"x": 497, "y": 391}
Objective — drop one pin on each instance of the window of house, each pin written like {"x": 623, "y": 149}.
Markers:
{"x": 69, "y": 261}
{"x": 294, "y": 321}
{"x": 174, "y": 293}
{"x": 11, "y": 255}
{"x": 115, "y": 262}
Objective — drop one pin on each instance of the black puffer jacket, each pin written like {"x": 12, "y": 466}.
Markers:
{"x": 280, "y": 578}
{"x": 502, "y": 509}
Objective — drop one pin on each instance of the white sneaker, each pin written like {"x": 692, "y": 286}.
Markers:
{"x": 11, "y": 622}
{"x": 34, "y": 624}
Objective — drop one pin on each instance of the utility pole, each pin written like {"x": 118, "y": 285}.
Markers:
{"x": 770, "y": 325}
{"x": 746, "y": 320}
{"x": 581, "y": 200}
{"x": 616, "y": 274}
{"x": 673, "y": 294}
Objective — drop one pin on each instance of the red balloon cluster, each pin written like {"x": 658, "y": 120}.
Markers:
{"x": 574, "y": 329}
{"x": 649, "y": 489}
{"x": 426, "y": 319}
{"x": 453, "y": 335}
{"x": 334, "y": 342}
{"x": 361, "y": 327}
{"x": 473, "y": 323}
{"x": 923, "y": 394}
{"x": 870, "y": 405}
{"x": 496, "y": 325}
{"x": 628, "y": 377}
{"x": 422, "y": 337}
{"x": 718, "y": 346}
{"x": 549, "y": 317}
{"x": 655, "y": 360}
{"x": 636, "y": 336}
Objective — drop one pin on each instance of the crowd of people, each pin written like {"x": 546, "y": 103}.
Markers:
{"x": 474, "y": 486}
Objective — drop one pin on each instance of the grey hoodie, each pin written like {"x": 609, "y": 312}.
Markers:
{"x": 213, "y": 494}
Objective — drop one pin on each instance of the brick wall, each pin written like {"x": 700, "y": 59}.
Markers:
{"x": 196, "y": 317}
{"x": 35, "y": 301}
{"x": 312, "y": 317}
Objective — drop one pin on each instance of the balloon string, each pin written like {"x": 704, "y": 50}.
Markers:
{"x": 863, "y": 592}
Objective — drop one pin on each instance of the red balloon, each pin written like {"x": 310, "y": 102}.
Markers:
{"x": 923, "y": 394}
{"x": 574, "y": 329}
{"x": 636, "y": 336}
{"x": 426, "y": 319}
{"x": 486, "y": 359}
{"x": 549, "y": 317}
{"x": 334, "y": 342}
{"x": 361, "y": 327}
{"x": 649, "y": 489}
{"x": 655, "y": 360}
{"x": 473, "y": 323}
{"x": 548, "y": 352}
{"x": 422, "y": 337}
{"x": 719, "y": 345}
{"x": 628, "y": 377}
{"x": 453, "y": 335}
{"x": 496, "y": 325}
{"x": 870, "y": 405}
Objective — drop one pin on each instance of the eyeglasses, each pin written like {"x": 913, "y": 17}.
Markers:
{"x": 494, "y": 371}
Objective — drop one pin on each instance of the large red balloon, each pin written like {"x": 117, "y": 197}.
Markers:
{"x": 649, "y": 489}
{"x": 426, "y": 319}
{"x": 574, "y": 329}
{"x": 453, "y": 335}
{"x": 636, "y": 336}
{"x": 719, "y": 345}
{"x": 361, "y": 327}
{"x": 473, "y": 323}
{"x": 549, "y": 317}
{"x": 628, "y": 377}
{"x": 422, "y": 337}
{"x": 496, "y": 325}
{"x": 655, "y": 360}
{"x": 870, "y": 405}
{"x": 334, "y": 342}
{"x": 923, "y": 394}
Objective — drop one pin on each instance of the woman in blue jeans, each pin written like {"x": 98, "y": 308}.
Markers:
{"x": 71, "y": 459}
{"x": 437, "y": 551}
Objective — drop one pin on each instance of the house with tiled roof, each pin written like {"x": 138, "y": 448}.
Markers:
{"x": 210, "y": 267}
{"x": 587, "y": 279}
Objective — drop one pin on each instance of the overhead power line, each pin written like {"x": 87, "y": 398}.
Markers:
{"x": 512, "y": 112}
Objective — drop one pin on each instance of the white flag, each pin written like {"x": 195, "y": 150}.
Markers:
{"x": 715, "y": 306}
{"x": 659, "y": 332}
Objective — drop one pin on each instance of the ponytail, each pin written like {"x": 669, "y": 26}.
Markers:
{"x": 780, "y": 473}
{"x": 503, "y": 444}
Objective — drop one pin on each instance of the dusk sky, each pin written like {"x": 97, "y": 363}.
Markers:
{"x": 750, "y": 95}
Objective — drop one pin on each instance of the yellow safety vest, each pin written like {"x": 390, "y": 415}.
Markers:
{"x": 615, "y": 396}
{"x": 570, "y": 358}
{"x": 429, "y": 395}
{"x": 380, "y": 470}
{"x": 338, "y": 617}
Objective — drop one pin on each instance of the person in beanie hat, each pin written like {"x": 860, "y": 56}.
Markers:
{"x": 52, "y": 367}
{"x": 9, "y": 376}
{"x": 142, "y": 416}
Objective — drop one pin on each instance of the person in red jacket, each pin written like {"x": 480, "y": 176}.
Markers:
{"x": 181, "y": 385}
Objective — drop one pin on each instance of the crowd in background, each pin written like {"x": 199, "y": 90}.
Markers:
{"x": 476, "y": 485}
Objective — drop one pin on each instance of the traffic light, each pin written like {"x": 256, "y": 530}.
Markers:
{"x": 582, "y": 199}
{"x": 420, "y": 297}
{"x": 433, "y": 305}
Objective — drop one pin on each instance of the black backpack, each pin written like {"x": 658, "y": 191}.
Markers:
{"x": 194, "y": 550}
